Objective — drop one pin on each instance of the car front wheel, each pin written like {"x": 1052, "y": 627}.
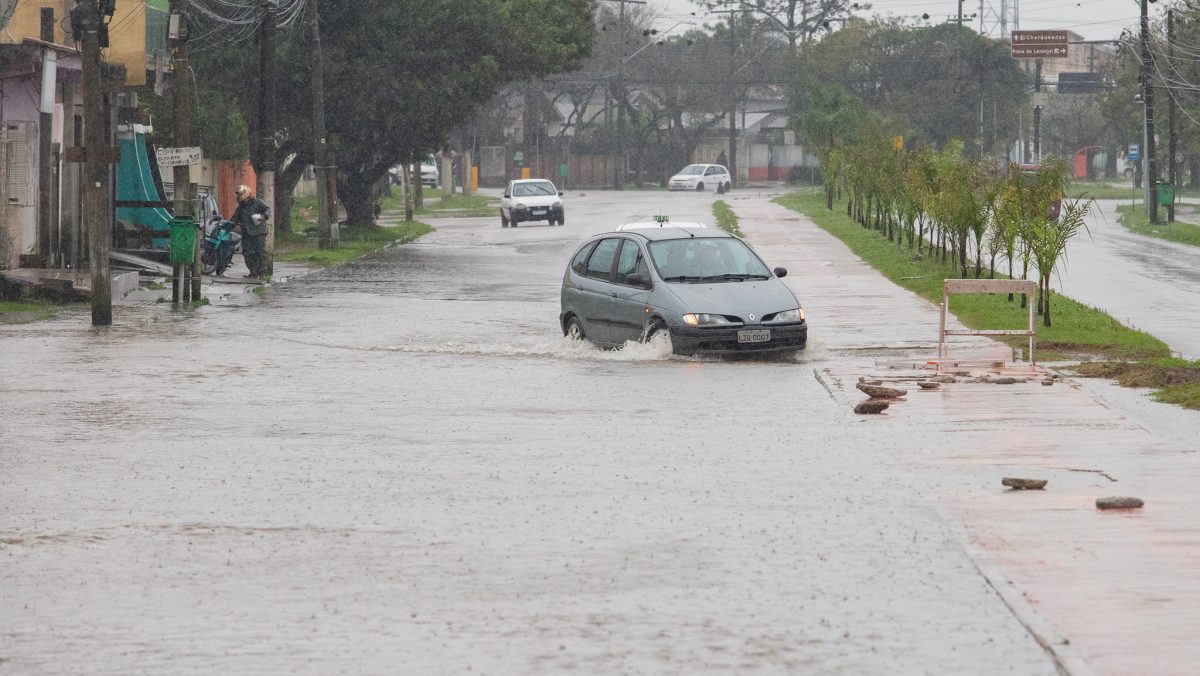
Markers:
{"x": 699, "y": 187}
{"x": 503, "y": 220}
{"x": 657, "y": 333}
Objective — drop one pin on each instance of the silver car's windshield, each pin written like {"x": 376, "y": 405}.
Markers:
{"x": 706, "y": 259}
{"x": 692, "y": 170}
{"x": 534, "y": 189}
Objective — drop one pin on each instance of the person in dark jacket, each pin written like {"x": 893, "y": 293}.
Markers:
{"x": 251, "y": 217}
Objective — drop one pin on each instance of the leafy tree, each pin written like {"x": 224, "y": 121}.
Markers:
{"x": 403, "y": 73}
{"x": 399, "y": 76}
{"x": 797, "y": 20}
{"x": 828, "y": 120}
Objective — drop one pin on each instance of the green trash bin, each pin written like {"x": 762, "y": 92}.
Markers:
{"x": 183, "y": 239}
{"x": 1166, "y": 193}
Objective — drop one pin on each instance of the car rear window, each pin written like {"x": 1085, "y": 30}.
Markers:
{"x": 579, "y": 262}
{"x": 600, "y": 264}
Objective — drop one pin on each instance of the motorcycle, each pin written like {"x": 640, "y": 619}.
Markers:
{"x": 219, "y": 244}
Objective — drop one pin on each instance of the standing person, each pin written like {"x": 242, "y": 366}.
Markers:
{"x": 251, "y": 217}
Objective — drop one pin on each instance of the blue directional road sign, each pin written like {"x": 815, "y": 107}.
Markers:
{"x": 1135, "y": 152}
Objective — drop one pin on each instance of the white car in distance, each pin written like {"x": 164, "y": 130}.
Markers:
{"x": 531, "y": 199}
{"x": 700, "y": 177}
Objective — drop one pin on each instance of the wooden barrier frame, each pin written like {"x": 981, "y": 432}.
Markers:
{"x": 1014, "y": 286}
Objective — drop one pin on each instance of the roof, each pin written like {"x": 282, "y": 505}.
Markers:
{"x": 660, "y": 234}
{"x": 531, "y": 180}
{"x": 653, "y": 225}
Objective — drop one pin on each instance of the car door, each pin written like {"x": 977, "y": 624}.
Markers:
{"x": 596, "y": 300}
{"x": 629, "y": 301}
{"x": 506, "y": 201}
{"x": 711, "y": 178}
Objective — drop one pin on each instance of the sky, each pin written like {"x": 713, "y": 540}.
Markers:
{"x": 1094, "y": 19}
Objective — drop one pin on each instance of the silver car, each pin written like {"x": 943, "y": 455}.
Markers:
{"x": 704, "y": 288}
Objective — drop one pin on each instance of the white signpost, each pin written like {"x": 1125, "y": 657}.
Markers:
{"x": 177, "y": 157}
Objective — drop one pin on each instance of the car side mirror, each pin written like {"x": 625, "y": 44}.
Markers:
{"x": 780, "y": 272}
{"x": 560, "y": 193}
{"x": 639, "y": 280}
{"x": 507, "y": 195}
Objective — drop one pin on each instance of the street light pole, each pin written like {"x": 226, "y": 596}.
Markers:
{"x": 1148, "y": 158}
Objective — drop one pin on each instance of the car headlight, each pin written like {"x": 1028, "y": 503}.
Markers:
{"x": 557, "y": 205}
{"x": 789, "y": 316}
{"x": 705, "y": 320}
{"x": 522, "y": 207}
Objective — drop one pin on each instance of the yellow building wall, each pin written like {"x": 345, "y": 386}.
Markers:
{"x": 26, "y": 21}
{"x": 126, "y": 32}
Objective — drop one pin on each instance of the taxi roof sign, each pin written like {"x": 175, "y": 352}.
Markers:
{"x": 662, "y": 219}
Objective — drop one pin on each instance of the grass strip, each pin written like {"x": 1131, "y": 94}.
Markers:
{"x": 726, "y": 219}
{"x": 354, "y": 243}
{"x": 457, "y": 204}
{"x": 23, "y": 312}
{"x": 1176, "y": 381}
{"x": 1136, "y": 220}
{"x": 1118, "y": 191}
{"x": 1077, "y": 329}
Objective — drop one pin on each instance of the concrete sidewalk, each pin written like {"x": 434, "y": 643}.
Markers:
{"x": 1113, "y": 592}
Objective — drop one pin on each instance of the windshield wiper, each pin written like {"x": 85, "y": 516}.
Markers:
{"x": 735, "y": 277}
{"x": 682, "y": 278}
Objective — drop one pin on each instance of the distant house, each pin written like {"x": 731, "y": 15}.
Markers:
{"x": 40, "y": 195}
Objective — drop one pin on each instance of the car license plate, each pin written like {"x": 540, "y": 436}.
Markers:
{"x": 539, "y": 211}
{"x": 755, "y": 336}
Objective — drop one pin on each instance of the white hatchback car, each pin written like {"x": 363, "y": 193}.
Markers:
{"x": 531, "y": 199}
{"x": 701, "y": 176}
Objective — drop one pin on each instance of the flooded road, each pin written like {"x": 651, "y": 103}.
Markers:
{"x": 401, "y": 465}
{"x": 1150, "y": 284}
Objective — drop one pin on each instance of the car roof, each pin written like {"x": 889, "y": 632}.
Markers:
{"x": 531, "y": 180}
{"x": 655, "y": 234}
{"x": 654, "y": 225}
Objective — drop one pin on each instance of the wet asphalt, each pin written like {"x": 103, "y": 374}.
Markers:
{"x": 401, "y": 465}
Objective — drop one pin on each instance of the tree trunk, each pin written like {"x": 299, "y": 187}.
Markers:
{"x": 358, "y": 198}
{"x": 285, "y": 189}
{"x": 1041, "y": 285}
{"x": 1046, "y": 309}
{"x": 920, "y": 235}
{"x": 1010, "y": 274}
{"x": 962, "y": 254}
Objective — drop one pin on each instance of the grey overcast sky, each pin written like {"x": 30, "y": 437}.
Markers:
{"x": 1095, "y": 19}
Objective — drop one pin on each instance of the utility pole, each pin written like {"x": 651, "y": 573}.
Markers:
{"x": 1172, "y": 146}
{"x": 619, "y": 95}
{"x": 266, "y": 124}
{"x": 1037, "y": 134}
{"x": 327, "y": 232}
{"x": 733, "y": 175}
{"x": 733, "y": 101}
{"x": 188, "y": 288}
{"x": 47, "y": 237}
{"x": 97, "y": 152}
{"x": 1148, "y": 119}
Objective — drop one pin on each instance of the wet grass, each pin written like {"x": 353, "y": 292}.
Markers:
{"x": 23, "y": 312}
{"x": 355, "y": 242}
{"x": 1077, "y": 329}
{"x": 1176, "y": 381}
{"x": 726, "y": 219}
{"x": 1136, "y": 220}
{"x": 1118, "y": 190}
{"x": 454, "y": 205}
